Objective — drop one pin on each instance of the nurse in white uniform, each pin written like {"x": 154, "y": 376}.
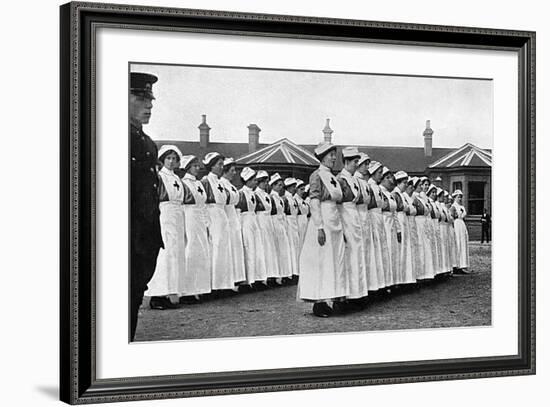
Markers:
{"x": 303, "y": 209}
{"x": 291, "y": 212}
{"x": 216, "y": 199}
{"x": 235, "y": 234}
{"x": 165, "y": 286}
{"x": 432, "y": 199}
{"x": 416, "y": 248}
{"x": 379, "y": 229}
{"x": 278, "y": 218}
{"x": 443, "y": 230}
{"x": 355, "y": 258}
{"x": 254, "y": 253}
{"x": 452, "y": 237}
{"x": 425, "y": 228}
{"x": 392, "y": 225}
{"x": 322, "y": 270}
{"x": 403, "y": 209}
{"x": 461, "y": 232}
{"x": 267, "y": 229}
{"x": 197, "y": 276}
{"x": 362, "y": 175}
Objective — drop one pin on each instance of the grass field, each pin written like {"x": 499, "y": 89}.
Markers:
{"x": 462, "y": 300}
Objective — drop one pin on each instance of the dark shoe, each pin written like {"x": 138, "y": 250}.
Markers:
{"x": 162, "y": 303}
{"x": 340, "y": 307}
{"x": 321, "y": 309}
{"x": 189, "y": 299}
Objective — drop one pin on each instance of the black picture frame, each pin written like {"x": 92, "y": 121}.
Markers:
{"x": 78, "y": 382}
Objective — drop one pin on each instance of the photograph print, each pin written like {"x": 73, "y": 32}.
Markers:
{"x": 283, "y": 202}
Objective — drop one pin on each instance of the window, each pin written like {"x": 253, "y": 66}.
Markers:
{"x": 476, "y": 198}
{"x": 457, "y": 185}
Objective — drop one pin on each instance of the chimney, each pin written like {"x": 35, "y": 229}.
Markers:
{"x": 253, "y": 137}
{"x": 428, "y": 140}
{"x": 204, "y": 131}
{"x": 327, "y": 131}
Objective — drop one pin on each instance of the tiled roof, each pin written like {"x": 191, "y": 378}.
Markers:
{"x": 466, "y": 156}
{"x": 281, "y": 152}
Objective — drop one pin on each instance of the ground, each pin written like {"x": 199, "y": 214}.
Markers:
{"x": 462, "y": 300}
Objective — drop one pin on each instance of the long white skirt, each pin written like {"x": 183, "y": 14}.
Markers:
{"x": 268, "y": 236}
{"x": 381, "y": 248}
{"x": 171, "y": 260}
{"x": 463, "y": 253}
{"x": 438, "y": 247}
{"x": 282, "y": 245}
{"x": 222, "y": 255}
{"x": 445, "y": 253}
{"x": 425, "y": 226}
{"x": 197, "y": 277}
{"x": 254, "y": 253}
{"x": 322, "y": 270}
{"x": 236, "y": 243}
{"x": 394, "y": 248}
{"x": 370, "y": 255}
{"x": 453, "y": 249}
{"x": 302, "y": 228}
{"x": 295, "y": 244}
{"x": 406, "y": 262}
{"x": 355, "y": 259}
{"x": 417, "y": 249}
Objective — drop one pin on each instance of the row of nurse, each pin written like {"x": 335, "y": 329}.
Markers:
{"x": 371, "y": 230}
{"x": 218, "y": 238}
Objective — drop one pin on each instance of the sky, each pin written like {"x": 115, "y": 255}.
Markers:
{"x": 364, "y": 109}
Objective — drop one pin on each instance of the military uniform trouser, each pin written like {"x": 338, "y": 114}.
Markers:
{"x": 142, "y": 268}
{"x": 485, "y": 236}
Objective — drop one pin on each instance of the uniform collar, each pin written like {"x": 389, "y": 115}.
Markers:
{"x": 165, "y": 170}
{"x": 213, "y": 176}
{"x": 135, "y": 127}
{"x": 346, "y": 173}
{"x": 358, "y": 175}
{"x": 189, "y": 176}
{"x": 323, "y": 167}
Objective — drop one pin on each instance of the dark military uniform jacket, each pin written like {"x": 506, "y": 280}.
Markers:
{"x": 144, "y": 186}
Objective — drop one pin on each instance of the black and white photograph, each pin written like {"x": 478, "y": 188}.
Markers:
{"x": 269, "y": 202}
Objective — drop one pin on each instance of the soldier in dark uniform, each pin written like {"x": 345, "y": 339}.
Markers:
{"x": 145, "y": 237}
{"x": 485, "y": 226}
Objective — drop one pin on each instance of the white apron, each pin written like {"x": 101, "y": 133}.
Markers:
{"x": 438, "y": 265}
{"x": 198, "y": 278}
{"x": 425, "y": 229}
{"x": 268, "y": 235}
{"x": 254, "y": 253}
{"x": 281, "y": 234}
{"x": 443, "y": 230}
{"x": 293, "y": 233}
{"x": 322, "y": 268}
{"x": 302, "y": 218}
{"x": 391, "y": 223}
{"x": 405, "y": 260}
{"x": 368, "y": 238}
{"x": 170, "y": 266}
{"x": 417, "y": 254}
{"x": 462, "y": 238}
{"x": 222, "y": 258}
{"x": 452, "y": 241}
{"x": 383, "y": 266}
{"x": 355, "y": 260}
{"x": 235, "y": 234}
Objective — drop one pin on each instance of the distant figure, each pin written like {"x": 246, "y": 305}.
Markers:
{"x": 485, "y": 226}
